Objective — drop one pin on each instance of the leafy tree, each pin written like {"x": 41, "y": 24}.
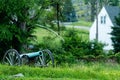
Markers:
{"x": 114, "y": 2}
{"x": 57, "y": 5}
{"x": 109, "y": 2}
{"x": 63, "y": 11}
{"x": 100, "y": 3}
{"x": 69, "y": 13}
{"x": 93, "y": 8}
{"x": 115, "y": 35}
{"x": 17, "y": 22}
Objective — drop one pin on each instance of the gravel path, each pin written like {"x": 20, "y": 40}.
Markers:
{"x": 79, "y": 27}
{"x": 82, "y": 27}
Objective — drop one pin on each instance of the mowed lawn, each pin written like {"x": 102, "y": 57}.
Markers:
{"x": 81, "y": 71}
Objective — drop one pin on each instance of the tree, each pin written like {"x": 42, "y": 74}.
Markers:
{"x": 114, "y": 2}
{"x": 108, "y": 2}
{"x": 57, "y": 5}
{"x": 69, "y": 13}
{"x": 116, "y": 35}
{"x": 94, "y": 7}
{"x": 17, "y": 22}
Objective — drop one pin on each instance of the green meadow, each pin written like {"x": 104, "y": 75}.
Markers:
{"x": 79, "y": 71}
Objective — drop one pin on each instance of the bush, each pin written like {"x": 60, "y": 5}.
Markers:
{"x": 117, "y": 55}
{"x": 73, "y": 48}
{"x": 89, "y": 58}
{"x": 111, "y": 57}
{"x": 11, "y": 37}
{"x": 79, "y": 46}
{"x": 96, "y": 48}
{"x": 101, "y": 58}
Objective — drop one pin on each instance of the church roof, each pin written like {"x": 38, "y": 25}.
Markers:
{"x": 112, "y": 12}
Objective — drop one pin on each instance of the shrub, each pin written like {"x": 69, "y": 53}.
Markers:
{"x": 117, "y": 55}
{"x": 96, "y": 48}
{"x": 73, "y": 48}
{"x": 78, "y": 46}
{"x": 111, "y": 57}
{"x": 89, "y": 58}
{"x": 11, "y": 37}
{"x": 101, "y": 58}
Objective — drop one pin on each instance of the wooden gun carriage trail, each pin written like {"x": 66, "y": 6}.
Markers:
{"x": 40, "y": 58}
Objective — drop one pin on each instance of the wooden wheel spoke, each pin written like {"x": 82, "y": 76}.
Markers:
{"x": 40, "y": 61}
{"x": 8, "y": 60}
{"x": 16, "y": 61}
{"x": 12, "y": 57}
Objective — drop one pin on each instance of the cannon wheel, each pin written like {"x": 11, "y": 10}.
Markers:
{"x": 45, "y": 59}
{"x": 48, "y": 57}
{"x": 12, "y": 57}
{"x": 24, "y": 60}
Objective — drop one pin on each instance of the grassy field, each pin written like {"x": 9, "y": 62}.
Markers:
{"x": 81, "y": 71}
{"x": 41, "y": 33}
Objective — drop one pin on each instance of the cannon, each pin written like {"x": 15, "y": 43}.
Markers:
{"x": 40, "y": 58}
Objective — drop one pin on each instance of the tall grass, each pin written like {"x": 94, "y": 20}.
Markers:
{"x": 81, "y": 71}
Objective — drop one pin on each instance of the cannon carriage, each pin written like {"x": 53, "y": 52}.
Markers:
{"x": 40, "y": 58}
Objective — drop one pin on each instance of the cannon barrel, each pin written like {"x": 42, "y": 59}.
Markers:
{"x": 33, "y": 54}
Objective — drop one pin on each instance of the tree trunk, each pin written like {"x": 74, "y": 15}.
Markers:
{"x": 23, "y": 26}
{"x": 57, "y": 11}
{"x": 93, "y": 10}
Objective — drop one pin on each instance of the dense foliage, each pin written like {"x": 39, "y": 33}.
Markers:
{"x": 68, "y": 12}
{"x": 77, "y": 46}
{"x": 17, "y": 22}
{"x": 115, "y": 35}
{"x": 74, "y": 47}
{"x": 13, "y": 20}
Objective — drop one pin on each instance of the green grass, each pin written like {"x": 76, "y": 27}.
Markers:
{"x": 51, "y": 41}
{"x": 84, "y": 34}
{"x": 81, "y": 71}
{"x": 41, "y": 33}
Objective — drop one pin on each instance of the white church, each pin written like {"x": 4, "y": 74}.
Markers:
{"x": 106, "y": 19}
